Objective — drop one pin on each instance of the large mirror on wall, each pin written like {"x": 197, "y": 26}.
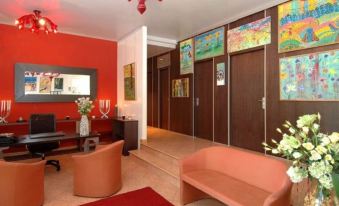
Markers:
{"x": 44, "y": 83}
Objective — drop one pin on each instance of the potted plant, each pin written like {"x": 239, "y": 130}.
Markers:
{"x": 314, "y": 155}
{"x": 85, "y": 106}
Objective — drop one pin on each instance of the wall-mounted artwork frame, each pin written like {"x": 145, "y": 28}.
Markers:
{"x": 209, "y": 44}
{"x": 221, "y": 74}
{"x": 251, "y": 35}
{"x": 307, "y": 24}
{"x": 129, "y": 82}
{"x": 180, "y": 87}
{"x": 24, "y": 83}
{"x": 186, "y": 56}
{"x": 310, "y": 77}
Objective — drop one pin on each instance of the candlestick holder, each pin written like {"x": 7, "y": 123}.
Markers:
{"x": 5, "y": 110}
{"x": 104, "y": 108}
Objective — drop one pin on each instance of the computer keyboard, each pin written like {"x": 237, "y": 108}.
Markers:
{"x": 46, "y": 135}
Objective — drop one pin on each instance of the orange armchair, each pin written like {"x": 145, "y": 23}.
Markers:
{"x": 22, "y": 184}
{"x": 98, "y": 174}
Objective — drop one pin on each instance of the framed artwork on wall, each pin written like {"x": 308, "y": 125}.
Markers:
{"x": 180, "y": 87}
{"x": 209, "y": 44}
{"x": 59, "y": 84}
{"x": 45, "y": 85}
{"x": 31, "y": 84}
{"x": 186, "y": 57}
{"x": 310, "y": 77}
{"x": 129, "y": 81}
{"x": 250, "y": 35}
{"x": 306, "y": 24}
{"x": 221, "y": 74}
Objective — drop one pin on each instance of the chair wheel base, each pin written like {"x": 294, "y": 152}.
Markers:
{"x": 54, "y": 163}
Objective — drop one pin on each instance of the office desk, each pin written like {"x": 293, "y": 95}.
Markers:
{"x": 25, "y": 140}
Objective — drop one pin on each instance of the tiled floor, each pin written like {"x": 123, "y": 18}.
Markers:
{"x": 136, "y": 175}
{"x": 175, "y": 144}
{"x": 59, "y": 185}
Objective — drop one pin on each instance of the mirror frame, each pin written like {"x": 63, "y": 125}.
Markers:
{"x": 21, "y": 68}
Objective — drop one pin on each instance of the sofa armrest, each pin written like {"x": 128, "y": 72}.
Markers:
{"x": 282, "y": 197}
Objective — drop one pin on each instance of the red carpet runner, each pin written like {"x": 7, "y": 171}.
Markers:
{"x": 143, "y": 197}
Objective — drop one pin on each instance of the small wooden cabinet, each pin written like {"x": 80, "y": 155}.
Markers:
{"x": 125, "y": 129}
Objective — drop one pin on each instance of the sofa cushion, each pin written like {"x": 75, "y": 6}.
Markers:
{"x": 225, "y": 188}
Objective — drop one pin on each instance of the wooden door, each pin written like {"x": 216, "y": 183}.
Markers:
{"x": 247, "y": 91}
{"x": 203, "y": 104}
{"x": 164, "y": 97}
{"x": 149, "y": 99}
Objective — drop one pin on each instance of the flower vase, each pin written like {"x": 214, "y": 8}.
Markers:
{"x": 84, "y": 126}
{"x": 316, "y": 197}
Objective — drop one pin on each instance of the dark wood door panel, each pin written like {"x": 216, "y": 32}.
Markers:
{"x": 149, "y": 99}
{"x": 247, "y": 91}
{"x": 203, "y": 93}
{"x": 164, "y": 97}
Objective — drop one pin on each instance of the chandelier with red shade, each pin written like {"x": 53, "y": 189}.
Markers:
{"x": 142, "y": 6}
{"x": 36, "y": 23}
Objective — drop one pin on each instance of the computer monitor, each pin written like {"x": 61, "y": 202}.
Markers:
{"x": 42, "y": 123}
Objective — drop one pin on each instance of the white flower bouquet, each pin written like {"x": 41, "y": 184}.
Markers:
{"x": 313, "y": 153}
{"x": 85, "y": 105}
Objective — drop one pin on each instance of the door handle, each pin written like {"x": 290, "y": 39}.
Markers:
{"x": 197, "y": 102}
{"x": 263, "y": 103}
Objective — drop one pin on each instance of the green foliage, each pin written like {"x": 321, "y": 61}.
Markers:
{"x": 85, "y": 105}
{"x": 314, "y": 155}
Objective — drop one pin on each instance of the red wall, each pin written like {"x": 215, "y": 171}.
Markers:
{"x": 55, "y": 49}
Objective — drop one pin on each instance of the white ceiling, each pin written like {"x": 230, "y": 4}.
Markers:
{"x": 113, "y": 19}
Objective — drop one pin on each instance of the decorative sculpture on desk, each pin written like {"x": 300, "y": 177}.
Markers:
{"x": 5, "y": 110}
{"x": 104, "y": 108}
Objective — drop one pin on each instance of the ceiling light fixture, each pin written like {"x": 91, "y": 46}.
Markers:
{"x": 35, "y": 23}
{"x": 142, "y": 6}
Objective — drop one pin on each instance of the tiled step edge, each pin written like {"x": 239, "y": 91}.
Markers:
{"x": 162, "y": 172}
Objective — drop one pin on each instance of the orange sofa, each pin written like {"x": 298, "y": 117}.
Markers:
{"x": 234, "y": 177}
{"x": 22, "y": 184}
{"x": 98, "y": 174}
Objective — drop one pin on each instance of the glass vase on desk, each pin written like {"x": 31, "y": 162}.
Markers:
{"x": 84, "y": 126}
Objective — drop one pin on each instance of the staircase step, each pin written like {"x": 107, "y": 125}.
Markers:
{"x": 164, "y": 156}
{"x": 162, "y": 163}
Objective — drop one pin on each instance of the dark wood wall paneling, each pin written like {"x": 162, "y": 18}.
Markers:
{"x": 181, "y": 118}
{"x": 149, "y": 92}
{"x": 181, "y": 109}
{"x": 221, "y": 102}
{"x": 279, "y": 111}
{"x": 155, "y": 93}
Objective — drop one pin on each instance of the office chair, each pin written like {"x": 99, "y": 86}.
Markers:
{"x": 43, "y": 123}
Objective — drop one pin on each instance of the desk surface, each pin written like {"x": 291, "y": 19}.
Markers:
{"x": 57, "y": 121}
{"x": 24, "y": 139}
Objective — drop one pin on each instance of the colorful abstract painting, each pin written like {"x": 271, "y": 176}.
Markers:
{"x": 129, "y": 81}
{"x": 180, "y": 87}
{"x": 308, "y": 23}
{"x": 221, "y": 74}
{"x": 210, "y": 44}
{"x": 186, "y": 57}
{"x": 310, "y": 77}
{"x": 250, "y": 35}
